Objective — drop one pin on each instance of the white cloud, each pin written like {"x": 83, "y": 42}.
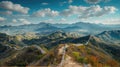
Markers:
{"x": 97, "y": 11}
{"x": 111, "y": 21}
{"x": 2, "y": 19}
{"x": 62, "y": 3}
{"x": 92, "y": 1}
{"x": 21, "y": 21}
{"x": 106, "y": 0}
{"x": 103, "y": 20}
{"x": 95, "y": 1}
{"x": 87, "y": 12}
{"x": 70, "y": 1}
{"x": 14, "y": 20}
{"x": 110, "y": 9}
{"x": 24, "y": 21}
{"x": 46, "y": 13}
{"x": 62, "y": 20}
{"x": 49, "y": 21}
{"x": 5, "y": 12}
{"x": 52, "y": 20}
{"x": 66, "y": 2}
{"x": 8, "y": 5}
{"x": 73, "y": 10}
{"x": 44, "y": 3}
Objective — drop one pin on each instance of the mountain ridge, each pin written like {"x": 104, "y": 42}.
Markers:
{"x": 96, "y": 52}
{"x": 44, "y": 28}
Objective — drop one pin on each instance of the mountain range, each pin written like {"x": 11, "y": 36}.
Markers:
{"x": 99, "y": 50}
{"x": 47, "y": 28}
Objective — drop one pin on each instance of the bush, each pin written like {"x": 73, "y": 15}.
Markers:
{"x": 79, "y": 58}
{"x": 76, "y": 54}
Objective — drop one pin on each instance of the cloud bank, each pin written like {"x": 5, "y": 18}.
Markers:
{"x": 95, "y": 1}
{"x": 5, "y": 12}
{"x": 44, "y": 3}
{"x": 47, "y": 12}
{"x": 87, "y": 12}
{"x": 2, "y": 19}
{"x": 8, "y": 5}
{"x": 92, "y": 1}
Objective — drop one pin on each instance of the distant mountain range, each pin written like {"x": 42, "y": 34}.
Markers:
{"x": 46, "y": 28}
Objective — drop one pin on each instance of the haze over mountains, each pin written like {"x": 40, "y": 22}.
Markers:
{"x": 45, "y": 28}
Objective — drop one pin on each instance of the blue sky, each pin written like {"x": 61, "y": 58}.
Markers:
{"x": 19, "y": 12}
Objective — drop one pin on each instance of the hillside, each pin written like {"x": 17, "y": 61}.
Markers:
{"x": 91, "y": 50}
{"x": 110, "y": 36}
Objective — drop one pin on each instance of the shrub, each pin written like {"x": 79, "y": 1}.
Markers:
{"x": 79, "y": 58}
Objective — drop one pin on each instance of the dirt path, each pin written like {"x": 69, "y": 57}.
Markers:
{"x": 70, "y": 63}
{"x": 66, "y": 60}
